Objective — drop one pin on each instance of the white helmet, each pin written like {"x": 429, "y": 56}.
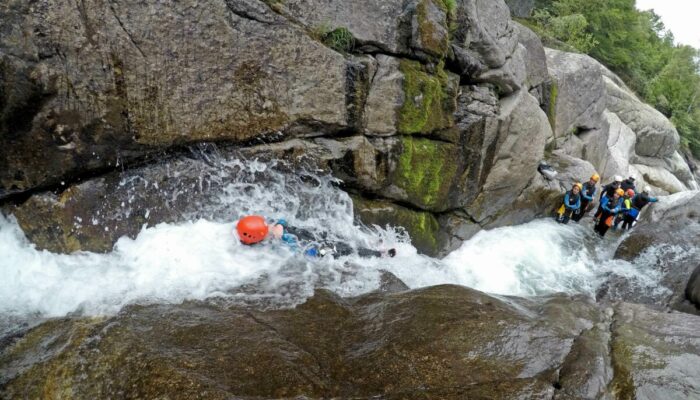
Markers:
{"x": 646, "y": 190}
{"x": 618, "y": 178}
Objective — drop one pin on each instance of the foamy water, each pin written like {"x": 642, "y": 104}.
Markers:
{"x": 202, "y": 258}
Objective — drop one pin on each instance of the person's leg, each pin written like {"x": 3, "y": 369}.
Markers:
{"x": 580, "y": 212}
{"x": 367, "y": 253}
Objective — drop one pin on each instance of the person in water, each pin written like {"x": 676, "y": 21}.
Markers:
{"x": 609, "y": 207}
{"x": 625, "y": 209}
{"x": 254, "y": 229}
{"x": 587, "y": 193}
{"x": 572, "y": 203}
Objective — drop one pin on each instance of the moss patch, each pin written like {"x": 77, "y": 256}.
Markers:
{"x": 428, "y": 103}
{"x": 422, "y": 226}
{"x": 426, "y": 171}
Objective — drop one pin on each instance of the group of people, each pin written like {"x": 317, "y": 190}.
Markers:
{"x": 254, "y": 229}
{"x": 619, "y": 203}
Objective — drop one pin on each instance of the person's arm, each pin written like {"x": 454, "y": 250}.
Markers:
{"x": 587, "y": 197}
{"x": 566, "y": 201}
{"x": 653, "y": 199}
{"x": 578, "y": 203}
{"x": 605, "y": 204}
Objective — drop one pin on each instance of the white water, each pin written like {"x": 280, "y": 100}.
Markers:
{"x": 202, "y": 258}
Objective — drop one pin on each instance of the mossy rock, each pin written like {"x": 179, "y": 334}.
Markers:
{"x": 429, "y": 99}
{"x": 430, "y": 26}
{"x": 422, "y": 226}
{"x": 427, "y": 172}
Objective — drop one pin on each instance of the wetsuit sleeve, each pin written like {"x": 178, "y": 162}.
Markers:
{"x": 606, "y": 205}
{"x": 578, "y": 203}
{"x": 587, "y": 197}
{"x": 302, "y": 234}
{"x": 566, "y": 200}
{"x": 653, "y": 199}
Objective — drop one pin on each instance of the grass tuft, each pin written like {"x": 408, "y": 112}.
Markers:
{"x": 338, "y": 39}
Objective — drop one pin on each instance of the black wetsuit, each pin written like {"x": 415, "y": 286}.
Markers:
{"x": 572, "y": 203}
{"x": 608, "y": 191}
{"x": 609, "y": 207}
{"x": 628, "y": 184}
{"x": 586, "y": 198}
{"x": 641, "y": 200}
{"x": 320, "y": 243}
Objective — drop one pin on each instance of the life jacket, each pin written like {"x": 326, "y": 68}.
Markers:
{"x": 626, "y": 205}
{"x": 574, "y": 200}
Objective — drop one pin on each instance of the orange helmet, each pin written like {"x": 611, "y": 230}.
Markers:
{"x": 595, "y": 177}
{"x": 252, "y": 229}
{"x": 620, "y": 192}
{"x": 630, "y": 193}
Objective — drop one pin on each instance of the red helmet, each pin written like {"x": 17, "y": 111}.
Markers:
{"x": 252, "y": 229}
{"x": 630, "y": 193}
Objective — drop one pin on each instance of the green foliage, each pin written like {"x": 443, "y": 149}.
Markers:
{"x": 338, "y": 39}
{"x": 570, "y": 29}
{"x": 635, "y": 45}
{"x": 449, "y": 5}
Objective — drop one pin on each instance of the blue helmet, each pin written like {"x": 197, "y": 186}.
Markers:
{"x": 282, "y": 222}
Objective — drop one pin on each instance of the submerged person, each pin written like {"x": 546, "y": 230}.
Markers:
{"x": 587, "y": 192}
{"x": 609, "y": 207}
{"x": 625, "y": 210}
{"x": 572, "y": 203}
{"x": 254, "y": 229}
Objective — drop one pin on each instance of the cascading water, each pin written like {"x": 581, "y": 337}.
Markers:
{"x": 201, "y": 257}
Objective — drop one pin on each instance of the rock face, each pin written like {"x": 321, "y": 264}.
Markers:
{"x": 429, "y": 108}
{"x": 94, "y": 79}
{"x": 597, "y": 118}
{"x": 657, "y": 239}
{"x": 577, "y": 94}
{"x": 393, "y": 345}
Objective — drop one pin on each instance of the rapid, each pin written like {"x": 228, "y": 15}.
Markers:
{"x": 201, "y": 258}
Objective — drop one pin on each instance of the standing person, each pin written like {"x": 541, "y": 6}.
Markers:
{"x": 572, "y": 203}
{"x": 625, "y": 209}
{"x": 628, "y": 184}
{"x": 608, "y": 191}
{"x": 587, "y": 194}
{"x": 638, "y": 203}
{"x": 609, "y": 206}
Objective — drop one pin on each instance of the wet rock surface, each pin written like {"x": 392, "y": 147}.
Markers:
{"x": 96, "y": 84}
{"x": 444, "y": 342}
{"x": 426, "y": 104}
{"x": 658, "y": 240}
